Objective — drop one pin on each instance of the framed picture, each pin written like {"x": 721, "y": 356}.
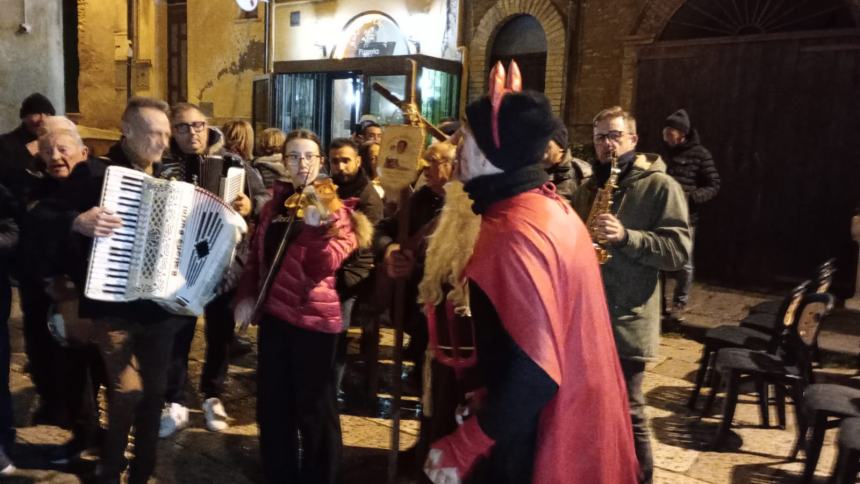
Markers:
{"x": 399, "y": 155}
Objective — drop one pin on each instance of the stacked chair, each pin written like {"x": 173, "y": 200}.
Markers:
{"x": 759, "y": 330}
{"x": 733, "y": 336}
{"x": 825, "y": 406}
{"x": 848, "y": 460}
{"x": 788, "y": 366}
{"x": 760, "y": 315}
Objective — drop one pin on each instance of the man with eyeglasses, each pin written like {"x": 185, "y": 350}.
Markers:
{"x": 647, "y": 231}
{"x": 193, "y": 146}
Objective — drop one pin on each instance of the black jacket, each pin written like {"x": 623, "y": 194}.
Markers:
{"x": 20, "y": 172}
{"x": 177, "y": 165}
{"x": 357, "y": 268}
{"x": 8, "y": 230}
{"x": 692, "y": 166}
{"x": 425, "y": 205}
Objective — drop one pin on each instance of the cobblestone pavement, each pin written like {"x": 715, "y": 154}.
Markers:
{"x": 680, "y": 437}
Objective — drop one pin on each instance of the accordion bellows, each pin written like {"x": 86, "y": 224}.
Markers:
{"x": 176, "y": 242}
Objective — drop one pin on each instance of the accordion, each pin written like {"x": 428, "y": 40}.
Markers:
{"x": 221, "y": 175}
{"x": 175, "y": 244}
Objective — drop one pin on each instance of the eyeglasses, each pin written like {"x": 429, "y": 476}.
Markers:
{"x": 614, "y": 136}
{"x": 295, "y": 157}
{"x": 184, "y": 128}
{"x": 437, "y": 161}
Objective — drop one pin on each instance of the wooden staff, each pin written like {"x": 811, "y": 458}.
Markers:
{"x": 411, "y": 116}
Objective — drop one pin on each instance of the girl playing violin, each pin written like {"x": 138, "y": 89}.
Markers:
{"x": 300, "y": 316}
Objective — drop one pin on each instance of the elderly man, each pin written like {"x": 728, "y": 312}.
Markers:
{"x": 134, "y": 338}
{"x": 646, "y": 231}
{"x": 64, "y": 376}
{"x": 194, "y": 148}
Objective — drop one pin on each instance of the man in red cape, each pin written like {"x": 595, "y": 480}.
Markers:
{"x": 555, "y": 407}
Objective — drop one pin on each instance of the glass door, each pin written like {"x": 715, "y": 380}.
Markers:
{"x": 346, "y": 92}
{"x": 378, "y": 106}
{"x": 300, "y": 101}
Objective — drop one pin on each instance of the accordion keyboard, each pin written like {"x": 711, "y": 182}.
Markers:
{"x": 110, "y": 262}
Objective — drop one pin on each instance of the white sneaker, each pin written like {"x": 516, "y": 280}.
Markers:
{"x": 174, "y": 417}
{"x": 216, "y": 416}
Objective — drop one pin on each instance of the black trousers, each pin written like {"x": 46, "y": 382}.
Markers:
{"x": 41, "y": 349}
{"x": 296, "y": 404}
{"x": 135, "y": 356}
{"x": 634, "y": 373}
{"x": 82, "y": 377}
{"x": 7, "y": 432}
{"x": 219, "y": 332}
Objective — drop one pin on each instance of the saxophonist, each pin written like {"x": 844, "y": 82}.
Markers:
{"x": 645, "y": 230}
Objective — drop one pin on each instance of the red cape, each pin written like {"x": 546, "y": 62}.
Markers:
{"x": 535, "y": 261}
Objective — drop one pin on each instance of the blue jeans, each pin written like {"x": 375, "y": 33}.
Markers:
{"x": 684, "y": 278}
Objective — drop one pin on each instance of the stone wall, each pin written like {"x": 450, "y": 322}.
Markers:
{"x": 592, "y": 45}
{"x": 30, "y": 62}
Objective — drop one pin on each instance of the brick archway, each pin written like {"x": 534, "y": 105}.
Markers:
{"x": 554, "y": 29}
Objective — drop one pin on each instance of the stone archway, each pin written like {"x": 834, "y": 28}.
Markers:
{"x": 554, "y": 29}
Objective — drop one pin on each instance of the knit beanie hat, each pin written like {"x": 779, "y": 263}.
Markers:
{"x": 559, "y": 133}
{"x": 525, "y": 125}
{"x": 679, "y": 120}
{"x": 36, "y": 103}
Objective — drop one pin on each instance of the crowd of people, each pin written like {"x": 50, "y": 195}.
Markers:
{"x": 490, "y": 249}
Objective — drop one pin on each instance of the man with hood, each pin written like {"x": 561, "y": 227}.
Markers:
{"x": 646, "y": 232}
{"x": 565, "y": 171}
{"x": 554, "y": 409}
{"x": 692, "y": 166}
{"x": 193, "y": 145}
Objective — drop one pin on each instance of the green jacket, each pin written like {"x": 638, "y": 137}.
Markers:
{"x": 651, "y": 205}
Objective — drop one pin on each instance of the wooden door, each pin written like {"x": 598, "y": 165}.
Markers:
{"x": 781, "y": 115}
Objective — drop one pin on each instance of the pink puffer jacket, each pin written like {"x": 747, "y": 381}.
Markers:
{"x": 303, "y": 292}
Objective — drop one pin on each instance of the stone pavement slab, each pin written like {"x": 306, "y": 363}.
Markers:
{"x": 680, "y": 437}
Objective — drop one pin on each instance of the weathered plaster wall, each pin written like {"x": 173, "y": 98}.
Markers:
{"x": 103, "y": 58}
{"x": 225, "y": 53}
{"x": 30, "y": 62}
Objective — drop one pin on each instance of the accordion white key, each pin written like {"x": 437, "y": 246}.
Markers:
{"x": 173, "y": 248}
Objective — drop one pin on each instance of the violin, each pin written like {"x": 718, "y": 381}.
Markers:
{"x": 322, "y": 194}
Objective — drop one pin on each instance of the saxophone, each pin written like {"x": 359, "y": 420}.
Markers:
{"x": 603, "y": 204}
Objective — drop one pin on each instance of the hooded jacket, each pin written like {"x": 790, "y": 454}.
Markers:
{"x": 271, "y": 169}
{"x": 303, "y": 291}
{"x": 692, "y": 166}
{"x": 651, "y": 206}
{"x": 181, "y": 166}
